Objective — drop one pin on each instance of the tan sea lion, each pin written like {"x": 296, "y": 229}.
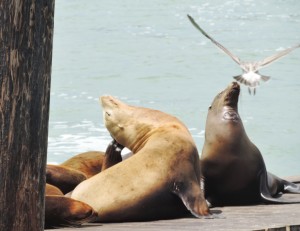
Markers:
{"x": 232, "y": 166}
{"x": 162, "y": 178}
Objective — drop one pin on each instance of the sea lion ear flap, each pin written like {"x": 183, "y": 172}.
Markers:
{"x": 120, "y": 126}
{"x": 192, "y": 197}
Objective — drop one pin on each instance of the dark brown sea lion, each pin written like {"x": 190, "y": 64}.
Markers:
{"x": 232, "y": 166}
{"x": 162, "y": 178}
{"x": 112, "y": 155}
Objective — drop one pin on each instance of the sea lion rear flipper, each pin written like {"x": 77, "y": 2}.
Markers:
{"x": 280, "y": 186}
{"x": 61, "y": 211}
{"x": 290, "y": 187}
{"x": 193, "y": 199}
{"x": 112, "y": 155}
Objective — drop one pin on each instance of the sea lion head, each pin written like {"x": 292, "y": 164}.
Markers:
{"x": 225, "y": 104}
{"x": 115, "y": 114}
{"x": 223, "y": 121}
{"x": 228, "y": 97}
{"x": 130, "y": 126}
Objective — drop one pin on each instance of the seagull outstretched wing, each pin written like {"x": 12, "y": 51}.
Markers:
{"x": 274, "y": 57}
{"x": 234, "y": 57}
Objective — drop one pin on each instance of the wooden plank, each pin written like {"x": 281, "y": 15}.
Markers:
{"x": 258, "y": 217}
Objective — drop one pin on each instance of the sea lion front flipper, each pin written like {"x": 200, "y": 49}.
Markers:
{"x": 112, "y": 155}
{"x": 192, "y": 197}
{"x": 271, "y": 186}
{"x": 264, "y": 188}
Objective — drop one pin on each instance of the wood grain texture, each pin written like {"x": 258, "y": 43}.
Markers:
{"x": 271, "y": 217}
{"x": 26, "y": 36}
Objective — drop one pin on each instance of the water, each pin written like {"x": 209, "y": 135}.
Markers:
{"x": 148, "y": 54}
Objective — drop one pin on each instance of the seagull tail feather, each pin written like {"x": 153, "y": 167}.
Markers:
{"x": 240, "y": 79}
{"x": 265, "y": 78}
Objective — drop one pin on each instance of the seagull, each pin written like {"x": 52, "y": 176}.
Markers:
{"x": 250, "y": 77}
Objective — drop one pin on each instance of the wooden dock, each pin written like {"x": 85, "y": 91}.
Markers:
{"x": 273, "y": 217}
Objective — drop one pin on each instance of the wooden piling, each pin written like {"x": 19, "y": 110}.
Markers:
{"x": 26, "y": 35}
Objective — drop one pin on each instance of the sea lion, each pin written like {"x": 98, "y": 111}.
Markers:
{"x": 232, "y": 166}
{"x": 162, "y": 178}
{"x": 52, "y": 190}
{"x": 66, "y": 179}
{"x": 63, "y": 211}
{"x": 112, "y": 155}
{"x": 89, "y": 163}
{"x": 67, "y": 175}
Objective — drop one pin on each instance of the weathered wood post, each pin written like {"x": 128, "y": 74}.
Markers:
{"x": 26, "y": 32}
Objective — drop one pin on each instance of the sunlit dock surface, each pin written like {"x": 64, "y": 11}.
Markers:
{"x": 258, "y": 217}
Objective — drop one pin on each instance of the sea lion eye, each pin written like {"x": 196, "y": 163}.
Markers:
{"x": 107, "y": 113}
{"x": 209, "y": 107}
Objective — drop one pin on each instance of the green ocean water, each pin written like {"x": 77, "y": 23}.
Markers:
{"x": 148, "y": 54}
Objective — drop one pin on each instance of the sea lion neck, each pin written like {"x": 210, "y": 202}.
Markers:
{"x": 139, "y": 142}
